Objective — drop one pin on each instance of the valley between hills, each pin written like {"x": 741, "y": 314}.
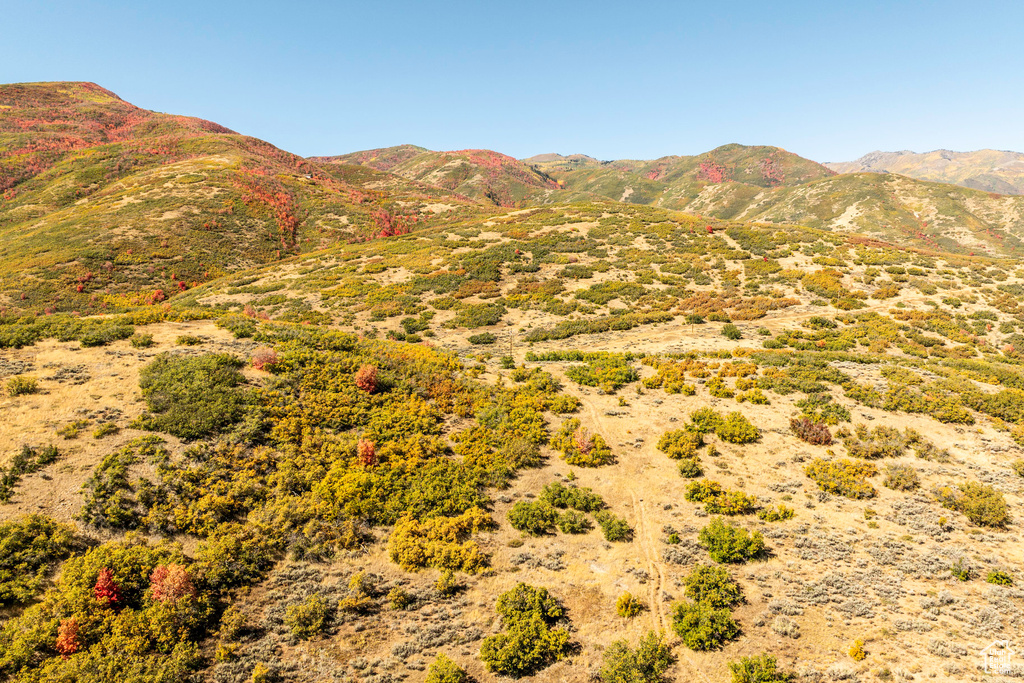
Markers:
{"x": 405, "y": 415}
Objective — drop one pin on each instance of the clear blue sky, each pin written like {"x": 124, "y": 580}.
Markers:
{"x": 827, "y": 80}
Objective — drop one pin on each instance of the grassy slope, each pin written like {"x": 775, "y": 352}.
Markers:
{"x": 474, "y": 173}
{"x": 111, "y": 199}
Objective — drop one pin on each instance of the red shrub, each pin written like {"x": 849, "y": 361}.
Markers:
{"x": 67, "y": 637}
{"x": 367, "y": 452}
{"x": 170, "y": 583}
{"x": 264, "y": 359}
{"x": 366, "y": 378}
{"x": 106, "y": 591}
{"x": 811, "y": 432}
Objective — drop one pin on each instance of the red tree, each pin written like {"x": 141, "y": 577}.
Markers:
{"x": 367, "y": 452}
{"x": 106, "y": 591}
{"x": 366, "y": 378}
{"x": 170, "y": 583}
{"x": 67, "y": 638}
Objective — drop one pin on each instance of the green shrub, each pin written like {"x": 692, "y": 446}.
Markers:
{"x": 21, "y": 385}
{"x": 534, "y": 518}
{"x": 713, "y": 586}
{"x": 399, "y": 598}
{"x": 106, "y": 429}
{"x": 776, "y": 514}
{"x": 901, "y": 478}
{"x": 188, "y": 340}
{"x": 30, "y": 548}
{"x": 719, "y": 501}
{"x": 581, "y": 448}
{"x": 961, "y": 570}
{"x": 760, "y": 669}
{"x": 628, "y": 606}
{"x": 703, "y": 627}
{"x": 980, "y": 503}
{"x": 690, "y": 468}
{"x": 141, "y": 340}
{"x": 999, "y": 578}
{"x": 680, "y": 443}
{"x": 646, "y": 664}
{"x": 735, "y": 428}
{"x": 482, "y": 339}
{"x": 531, "y": 641}
{"x": 573, "y": 522}
{"x": 705, "y": 420}
{"x": 615, "y": 529}
{"x": 309, "y": 618}
{"x": 732, "y": 332}
{"x": 726, "y": 543}
{"x": 72, "y": 429}
{"x": 843, "y": 477}
{"x": 192, "y": 397}
{"x": 444, "y": 670}
{"x": 479, "y": 315}
{"x": 560, "y": 496}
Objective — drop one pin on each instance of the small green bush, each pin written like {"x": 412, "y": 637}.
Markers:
{"x": 843, "y": 477}
{"x": 732, "y": 332}
{"x": 680, "y": 443}
{"x": 736, "y": 428}
{"x": 22, "y": 385}
{"x": 188, "y": 340}
{"x": 106, "y": 429}
{"x": 579, "y": 498}
{"x": 615, "y": 529}
{"x": 573, "y": 522}
{"x": 141, "y": 340}
{"x": 980, "y": 503}
{"x": 760, "y": 669}
{"x": 309, "y": 618}
{"x": 999, "y": 578}
{"x": 901, "y": 478}
{"x": 444, "y": 670}
{"x": 705, "y": 420}
{"x": 690, "y": 468}
{"x": 726, "y": 543}
{"x": 628, "y": 606}
{"x": 531, "y": 640}
{"x": 703, "y": 627}
{"x": 534, "y": 518}
{"x": 776, "y": 514}
{"x": 482, "y": 339}
{"x": 646, "y": 664}
{"x": 712, "y": 585}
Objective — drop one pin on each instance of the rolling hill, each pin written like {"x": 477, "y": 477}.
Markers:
{"x": 988, "y": 170}
{"x": 102, "y": 200}
{"x": 477, "y": 174}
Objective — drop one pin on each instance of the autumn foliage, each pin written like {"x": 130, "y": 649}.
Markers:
{"x": 170, "y": 583}
{"x": 68, "y": 642}
{"x": 366, "y": 378}
{"x": 106, "y": 591}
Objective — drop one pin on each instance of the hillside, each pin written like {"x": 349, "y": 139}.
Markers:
{"x": 445, "y": 417}
{"x": 985, "y": 169}
{"x": 769, "y": 185}
{"x": 477, "y": 174}
{"x": 550, "y": 400}
{"x": 103, "y": 203}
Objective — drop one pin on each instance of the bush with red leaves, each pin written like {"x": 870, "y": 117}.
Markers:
{"x": 811, "y": 432}
{"x": 106, "y": 591}
{"x": 366, "y": 378}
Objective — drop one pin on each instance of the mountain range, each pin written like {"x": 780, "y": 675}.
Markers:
{"x": 100, "y": 199}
